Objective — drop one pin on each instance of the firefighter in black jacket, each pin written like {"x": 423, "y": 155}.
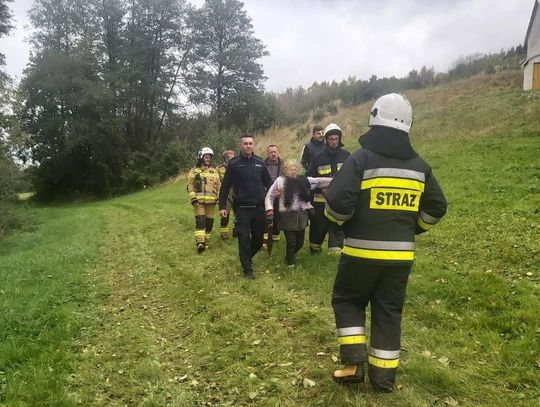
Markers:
{"x": 383, "y": 195}
{"x": 326, "y": 164}
{"x": 249, "y": 178}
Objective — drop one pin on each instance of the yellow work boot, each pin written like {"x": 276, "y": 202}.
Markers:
{"x": 350, "y": 374}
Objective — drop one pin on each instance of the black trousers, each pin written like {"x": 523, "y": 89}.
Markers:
{"x": 250, "y": 226}
{"x": 357, "y": 284}
{"x": 319, "y": 226}
{"x": 295, "y": 241}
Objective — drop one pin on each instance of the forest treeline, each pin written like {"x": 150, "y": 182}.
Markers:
{"x": 120, "y": 94}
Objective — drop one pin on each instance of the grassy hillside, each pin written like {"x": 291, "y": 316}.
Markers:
{"x": 108, "y": 304}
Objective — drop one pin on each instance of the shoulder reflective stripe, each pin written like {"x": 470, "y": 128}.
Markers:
{"x": 383, "y": 364}
{"x": 378, "y": 244}
{"x": 384, "y": 354}
{"x": 401, "y": 183}
{"x": 337, "y": 215}
{"x": 352, "y": 340}
{"x": 428, "y": 218}
{"x": 351, "y": 330}
{"x": 379, "y": 254}
{"x": 394, "y": 173}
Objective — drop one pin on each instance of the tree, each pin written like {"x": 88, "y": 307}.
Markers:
{"x": 225, "y": 68}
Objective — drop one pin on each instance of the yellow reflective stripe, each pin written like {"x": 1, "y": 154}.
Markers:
{"x": 424, "y": 225}
{"x": 383, "y": 363}
{"x": 224, "y": 230}
{"x": 352, "y": 340}
{"x": 200, "y": 233}
{"x": 379, "y": 254}
{"x": 327, "y": 214}
{"x": 324, "y": 169}
{"x": 192, "y": 194}
{"x": 319, "y": 198}
{"x": 393, "y": 182}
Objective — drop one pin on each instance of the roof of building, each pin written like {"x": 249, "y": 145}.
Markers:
{"x": 533, "y": 15}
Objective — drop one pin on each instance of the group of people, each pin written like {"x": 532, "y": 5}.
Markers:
{"x": 371, "y": 204}
{"x": 268, "y": 195}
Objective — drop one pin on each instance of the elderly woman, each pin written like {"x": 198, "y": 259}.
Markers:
{"x": 293, "y": 192}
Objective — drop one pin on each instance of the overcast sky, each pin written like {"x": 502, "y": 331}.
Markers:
{"x": 317, "y": 40}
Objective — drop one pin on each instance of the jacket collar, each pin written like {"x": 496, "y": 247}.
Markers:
{"x": 387, "y": 141}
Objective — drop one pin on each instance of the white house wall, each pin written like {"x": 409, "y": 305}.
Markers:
{"x": 528, "y": 73}
{"x": 533, "y": 41}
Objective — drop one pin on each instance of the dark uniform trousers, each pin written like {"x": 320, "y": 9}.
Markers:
{"x": 319, "y": 226}
{"x": 250, "y": 224}
{"x": 359, "y": 283}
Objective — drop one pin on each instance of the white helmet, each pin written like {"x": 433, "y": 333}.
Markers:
{"x": 332, "y": 128}
{"x": 205, "y": 150}
{"x": 391, "y": 110}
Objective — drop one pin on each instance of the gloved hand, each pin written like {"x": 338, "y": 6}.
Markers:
{"x": 194, "y": 201}
{"x": 269, "y": 217}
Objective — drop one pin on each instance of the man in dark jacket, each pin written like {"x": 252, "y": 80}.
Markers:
{"x": 312, "y": 148}
{"x": 383, "y": 195}
{"x": 273, "y": 164}
{"x": 249, "y": 178}
{"x": 326, "y": 164}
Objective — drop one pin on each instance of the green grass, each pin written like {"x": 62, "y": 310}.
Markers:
{"x": 108, "y": 304}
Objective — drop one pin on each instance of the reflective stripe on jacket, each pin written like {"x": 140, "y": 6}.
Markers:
{"x": 203, "y": 184}
{"x": 382, "y": 202}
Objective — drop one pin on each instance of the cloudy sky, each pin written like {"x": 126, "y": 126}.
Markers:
{"x": 317, "y": 40}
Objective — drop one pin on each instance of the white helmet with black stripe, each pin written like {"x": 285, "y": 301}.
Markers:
{"x": 392, "y": 110}
{"x": 204, "y": 151}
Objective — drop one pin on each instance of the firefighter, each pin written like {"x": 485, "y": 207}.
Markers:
{"x": 224, "y": 222}
{"x": 203, "y": 188}
{"x": 383, "y": 196}
{"x": 326, "y": 164}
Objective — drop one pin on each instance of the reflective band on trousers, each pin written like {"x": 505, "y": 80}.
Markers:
{"x": 384, "y": 354}
{"x": 351, "y": 330}
{"x": 394, "y": 173}
{"x": 352, "y": 340}
{"x": 319, "y": 198}
{"x": 383, "y": 363}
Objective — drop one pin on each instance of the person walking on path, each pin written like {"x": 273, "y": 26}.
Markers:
{"x": 203, "y": 186}
{"x": 274, "y": 164}
{"x": 313, "y": 147}
{"x": 383, "y": 196}
{"x": 326, "y": 164}
{"x": 224, "y": 221}
{"x": 293, "y": 205}
{"x": 249, "y": 178}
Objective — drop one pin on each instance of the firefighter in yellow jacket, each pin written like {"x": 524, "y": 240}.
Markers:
{"x": 383, "y": 196}
{"x": 203, "y": 189}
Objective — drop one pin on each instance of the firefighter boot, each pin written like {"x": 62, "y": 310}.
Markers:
{"x": 382, "y": 379}
{"x": 350, "y": 374}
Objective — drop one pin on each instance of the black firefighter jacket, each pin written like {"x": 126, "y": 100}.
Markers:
{"x": 326, "y": 164}
{"x": 249, "y": 178}
{"x": 383, "y": 195}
